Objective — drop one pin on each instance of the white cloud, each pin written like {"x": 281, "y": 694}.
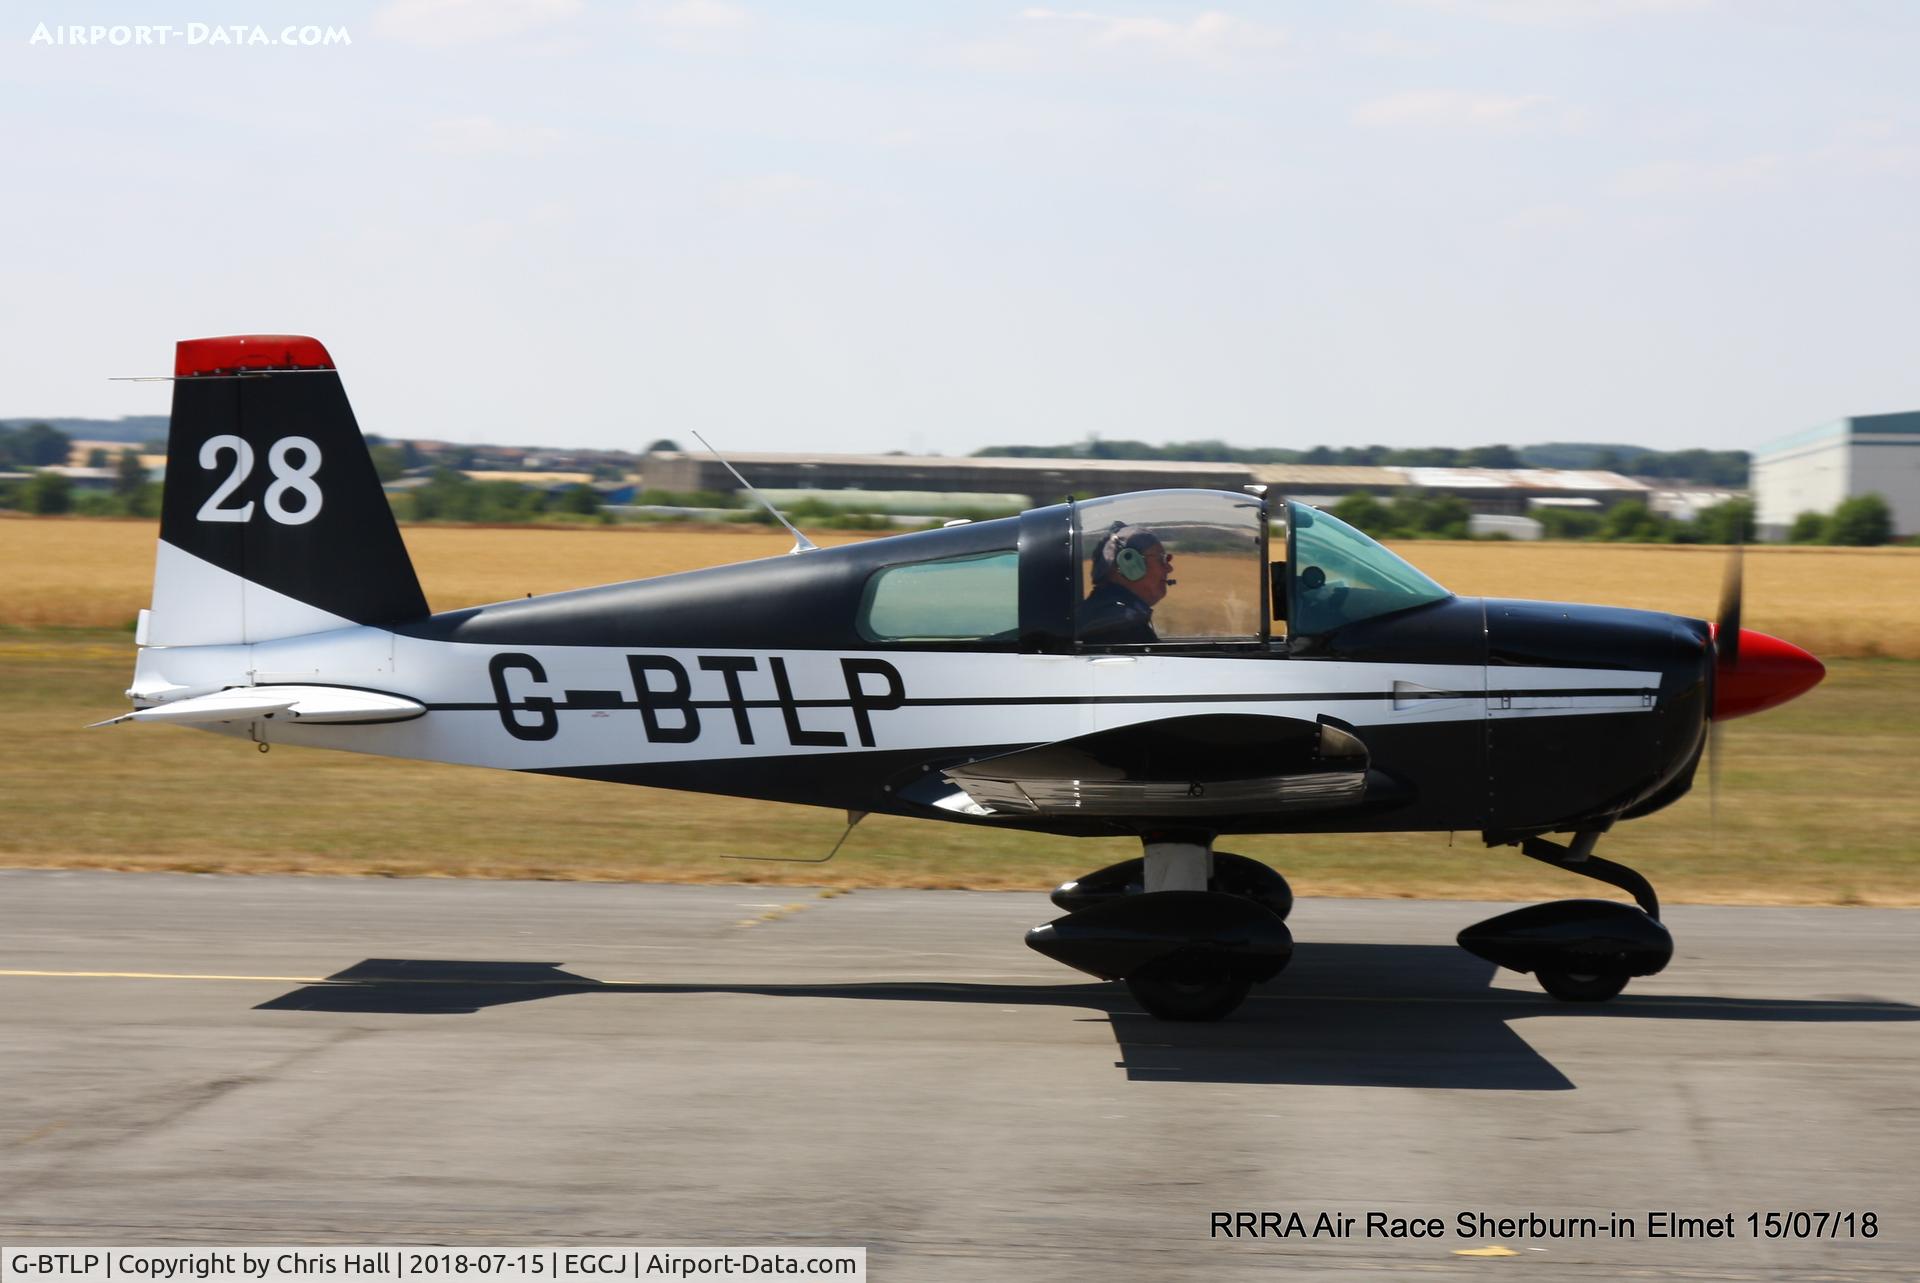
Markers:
{"x": 1385, "y": 44}
{"x": 1888, "y": 162}
{"x": 1460, "y": 109}
{"x": 485, "y": 136}
{"x": 1874, "y": 147}
{"x": 1543, "y": 13}
{"x": 446, "y": 22}
{"x": 696, "y": 16}
{"x": 1550, "y": 217}
{"x": 1700, "y": 178}
{"x": 784, "y": 189}
{"x": 782, "y": 194}
{"x": 1205, "y": 35}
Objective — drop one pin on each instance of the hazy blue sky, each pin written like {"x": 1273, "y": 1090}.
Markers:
{"x": 934, "y": 227}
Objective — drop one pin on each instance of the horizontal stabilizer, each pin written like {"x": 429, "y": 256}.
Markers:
{"x": 334, "y": 704}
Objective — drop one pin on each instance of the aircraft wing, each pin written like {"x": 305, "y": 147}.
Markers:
{"x": 1207, "y": 764}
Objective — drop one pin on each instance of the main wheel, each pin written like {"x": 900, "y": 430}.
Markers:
{"x": 1577, "y": 986}
{"x": 1188, "y": 990}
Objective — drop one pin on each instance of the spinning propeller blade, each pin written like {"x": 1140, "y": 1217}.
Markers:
{"x": 1726, "y": 633}
{"x": 1726, "y": 649}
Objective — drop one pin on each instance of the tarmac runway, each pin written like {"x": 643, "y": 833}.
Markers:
{"x": 189, "y": 1059}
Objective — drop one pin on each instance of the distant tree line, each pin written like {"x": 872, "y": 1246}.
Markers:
{"x": 391, "y": 459}
{"x": 1859, "y": 522}
{"x": 1705, "y": 467}
{"x": 34, "y": 446}
{"x": 1863, "y": 521}
{"x": 50, "y": 494}
{"x": 1422, "y": 515}
{"x": 451, "y": 495}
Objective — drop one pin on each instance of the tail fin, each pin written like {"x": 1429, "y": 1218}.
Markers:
{"x": 272, "y": 523}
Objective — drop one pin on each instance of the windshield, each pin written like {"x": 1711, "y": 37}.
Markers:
{"x": 1340, "y": 576}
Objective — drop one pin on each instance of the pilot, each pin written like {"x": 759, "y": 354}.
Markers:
{"x": 1130, "y": 576}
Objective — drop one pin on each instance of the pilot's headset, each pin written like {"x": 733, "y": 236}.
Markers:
{"x": 1121, "y": 553}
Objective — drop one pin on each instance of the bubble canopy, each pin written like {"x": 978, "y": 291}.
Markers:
{"x": 1188, "y": 571}
{"x": 1172, "y": 566}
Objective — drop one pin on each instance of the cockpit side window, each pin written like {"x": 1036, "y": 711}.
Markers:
{"x": 957, "y": 599}
{"x": 1170, "y": 566}
{"x": 1340, "y": 576}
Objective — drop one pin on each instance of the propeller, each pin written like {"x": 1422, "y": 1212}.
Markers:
{"x": 1726, "y": 659}
{"x": 1726, "y": 631}
{"x": 1752, "y": 672}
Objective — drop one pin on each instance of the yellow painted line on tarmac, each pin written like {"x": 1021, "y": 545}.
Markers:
{"x": 311, "y": 980}
{"x": 41, "y": 1133}
{"x": 1632, "y": 1004}
{"x": 774, "y": 914}
{"x": 159, "y": 975}
{"x": 583, "y": 981}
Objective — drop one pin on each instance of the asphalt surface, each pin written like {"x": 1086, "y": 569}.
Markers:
{"x": 216, "y": 1060}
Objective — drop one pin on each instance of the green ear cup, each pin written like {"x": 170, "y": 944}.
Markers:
{"x": 1131, "y": 563}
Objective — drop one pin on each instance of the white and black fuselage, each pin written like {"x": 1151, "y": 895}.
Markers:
{"x": 1044, "y": 672}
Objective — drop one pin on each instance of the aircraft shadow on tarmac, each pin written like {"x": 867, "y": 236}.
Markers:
{"x": 1363, "y": 1015}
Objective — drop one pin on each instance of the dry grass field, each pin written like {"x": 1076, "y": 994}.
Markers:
{"x": 1815, "y": 808}
{"x": 1837, "y": 602}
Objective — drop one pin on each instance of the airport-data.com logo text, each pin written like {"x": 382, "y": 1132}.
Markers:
{"x": 180, "y": 35}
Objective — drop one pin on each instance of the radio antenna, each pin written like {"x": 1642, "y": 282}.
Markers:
{"x": 800, "y": 542}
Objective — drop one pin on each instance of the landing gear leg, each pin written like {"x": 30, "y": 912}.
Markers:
{"x": 1578, "y": 857}
{"x": 1579, "y": 950}
{"x": 1177, "y": 866}
{"x": 1187, "y": 986}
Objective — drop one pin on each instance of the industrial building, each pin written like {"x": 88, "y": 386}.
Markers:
{"x": 1813, "y": 471}
{"x": 1046, "y": 480}
{"x": 1512, "y": 492}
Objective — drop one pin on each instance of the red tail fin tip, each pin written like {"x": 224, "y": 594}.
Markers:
{"x": 249, "y": 352}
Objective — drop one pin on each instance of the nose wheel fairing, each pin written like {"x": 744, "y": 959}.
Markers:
{"x": 1573, "y": 938}
{"x": 1579, "y": 950}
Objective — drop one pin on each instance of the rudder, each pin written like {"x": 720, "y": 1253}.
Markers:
{"x": 272, "y": 522}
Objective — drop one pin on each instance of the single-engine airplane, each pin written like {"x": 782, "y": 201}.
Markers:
{"x": 1054, "y": 672}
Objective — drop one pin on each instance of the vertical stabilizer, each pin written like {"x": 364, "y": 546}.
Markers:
{"x": 272, "y": 522}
